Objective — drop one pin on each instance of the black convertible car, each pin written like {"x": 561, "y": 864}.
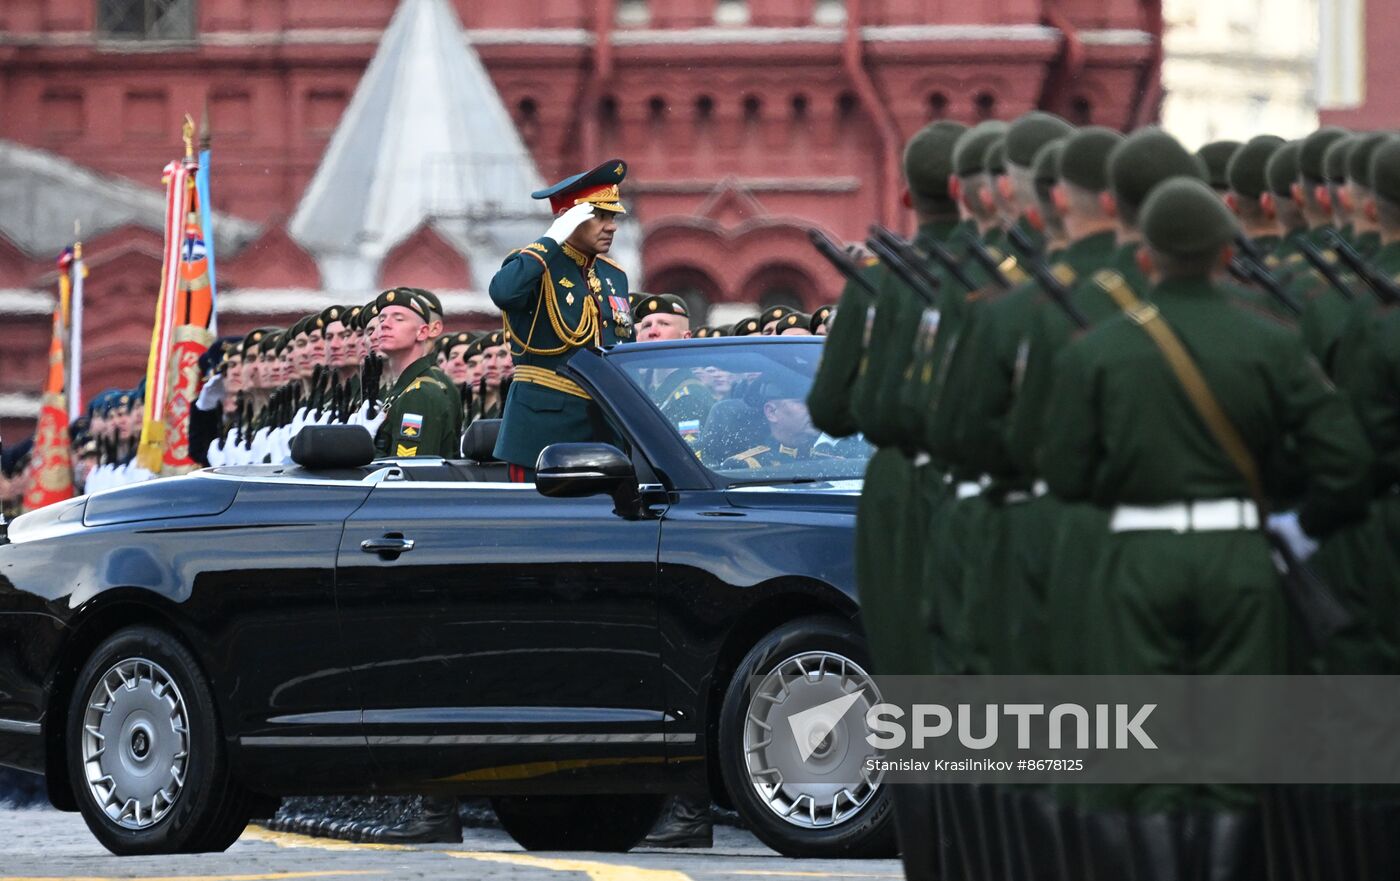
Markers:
{"x": 644, "y": 619}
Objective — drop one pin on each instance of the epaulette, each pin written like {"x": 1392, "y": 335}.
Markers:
{"x": 869, "y": 261}
{"x": 681, "y": 392}
{"x": 608, "y": 260}
{"x": 747, "y": 456}
{"x": 422, "y": 379}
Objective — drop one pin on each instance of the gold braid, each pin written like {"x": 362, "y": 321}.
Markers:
{"x": 572, "y": 337}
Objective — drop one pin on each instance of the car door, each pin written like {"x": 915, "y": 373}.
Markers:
{"x": 514, "y": 630}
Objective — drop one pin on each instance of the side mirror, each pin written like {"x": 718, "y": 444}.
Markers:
{"x": 576, "y": 470}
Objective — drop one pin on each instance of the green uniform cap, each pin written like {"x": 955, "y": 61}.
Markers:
{"x": 970, "y": 154}
{"x": 791, "y": 320}
{"x": 774, "y": 313}
{"x": 1335, "y": 160}
{"x": 1246, "y": 172}
{"x": 1359, "y": 160}
{"x": 820, "y": 317}
{"x": 1028, "y": 134}
{"x": 1216, "y": 157}
{"x": 928, "y": 158}
{"x": 1385, "y": 171}
{"x": 332, "y": 314}
{"x": 747, "y": 327}
{"x": 995, "y": 159}
{"x": 408, "y": 298}
{"x": 1313, "y": 156}
{"x": 253, "y": 340}
{"x": 1048, "y": 159}
{"x": 1084, "y": 161}
{"x": 1282, "y": 170}
{"x": 1144, "y": 159}
{"x": 1186, "y": 218}
{"x": 270, "y": 342}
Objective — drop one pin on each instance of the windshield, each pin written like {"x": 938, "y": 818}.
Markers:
{"x": 743, "y": 408}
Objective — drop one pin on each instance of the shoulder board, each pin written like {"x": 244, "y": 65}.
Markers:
{"x": 418, "y": 383}
{"x": 613, "y": 263}
{"x": 747, "y": 454}
{"x": 869, "y": 261}
{"x": 1117, "y": 287}
{"x": 1294, "y": 259}
{"x": 681, "y": 392}
{"x": 1064, "y": 273}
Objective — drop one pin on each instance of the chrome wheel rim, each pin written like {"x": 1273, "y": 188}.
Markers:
{"x": 831, "y": 785}
{"x": 135, "y": 743}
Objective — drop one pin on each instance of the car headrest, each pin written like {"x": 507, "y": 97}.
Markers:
{"x": 332, "y": 446}
{"x": 479, "y": 443}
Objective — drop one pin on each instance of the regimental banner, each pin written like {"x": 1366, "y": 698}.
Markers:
{"x": 181, "y": 334}
{"x": 52, "y": 478}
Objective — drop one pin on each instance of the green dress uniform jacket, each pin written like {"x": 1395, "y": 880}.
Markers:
{"x": 829, "y": 400}
{"x": 422, "y": 414}
{"x": 555, "y": 300}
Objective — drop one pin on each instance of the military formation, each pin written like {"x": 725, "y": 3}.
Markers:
{"x": 1124, "y": 381}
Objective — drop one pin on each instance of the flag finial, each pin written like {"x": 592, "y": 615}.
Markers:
{"x": 77, "y": 239}
{"x": 188, "y": 133}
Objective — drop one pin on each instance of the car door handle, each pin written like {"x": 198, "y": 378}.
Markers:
{"x": 387, "y": 545}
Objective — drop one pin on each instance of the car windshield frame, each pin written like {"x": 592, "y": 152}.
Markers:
{"x": 801, "y": 363}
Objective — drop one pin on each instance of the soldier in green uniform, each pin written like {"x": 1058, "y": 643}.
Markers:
{"x": 423, "y": 410}
{"x": 1324, "y": 307}
{"x": 747, "y": 327}
{"x": 1186, "y": 582}
{"x": 791, "y": 433}
{"x": 820, "y": 325}
{"x": 661, "y": 317}
{"x": 768, "y": 320}
{"x": 1248, "y": 180}
{"x": 558, "y": 294}
{"x": 1215, "y": 159}
{"x": 1281, "y": 172}
{"x": 1335, "y": 161}
{"x": 683, "y": 399}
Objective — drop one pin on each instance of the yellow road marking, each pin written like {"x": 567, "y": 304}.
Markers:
{"x": 596, "y": 871}
{"x": 280, "y": 876}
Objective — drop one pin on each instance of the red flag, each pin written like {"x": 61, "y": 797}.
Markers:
{"x": 52, "y": 478}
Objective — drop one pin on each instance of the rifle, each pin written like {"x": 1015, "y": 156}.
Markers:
{"x": 901, "y": 269}
{"x": 1254, "y": 269}
{"x": 1325, "y": 269}
{"x": 841, "y": 260}
{"x": 1040, "y": 270}
{"x": 1385, "y": 290}
{"x": 950, "y": 263}
{"x": 909, "y": 253}
{"x": 979, "y": 252}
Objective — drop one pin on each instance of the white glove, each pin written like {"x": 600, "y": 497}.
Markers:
{"x": 1287, "y": 527}
{"x": 212, "y": 395}
{"x": 565, "y": 224}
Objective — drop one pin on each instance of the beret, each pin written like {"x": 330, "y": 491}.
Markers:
{"x": 1313, "y": 156}
{"x": 332, "y": 314}
{"x": 820, "y": 317}
{"x": 1359, "y": 159}
{"x": 1246, "y": 171}
{"x": 269, "y": 341}
{"x": 453, "y": 340}
{"x": 354, "y": 317}
{"x": 254, "y": 339}
{"x": 774, "y": 313}
{"x": 995, "y": 160}
{"x": 1335, "y": 160}
{"x": 408, "y": 298}
{"x": 1385, "y": 171}
{"x": 928, "y": 158}
{"x": 747, "y": 327}
{"x": 1144, "y": 159}
{"x": 1282, "y": 171}
{"x": 793, "y": 319}
{"x": 1031, "y": 132}
{"x": 431, "y": 297}
{"x": 970, "y": 151}
{"x": 781, "y": 384}
{"x": 297, "y": 329}
{"x": 702, "y": 332}
{"x": 1084, "y": 160}
{"x": 1216, "y": 157}
{"x": 1185, "y": 217}
{"x": 665, "y": 304}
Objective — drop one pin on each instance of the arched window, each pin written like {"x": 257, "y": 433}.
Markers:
{"x": 829, "y": 13}
{"x": 146, "y": 19}
{"x": 704, "y": 108}
{"x": 732, "y": 12}
{"x": 799, "y": 107}
{"x": 633, "y": 13}
{"x": 937, "y": 106}
{"x": 607, "y": 113}
{"x": 985, "y": 105}
{"x": 1081, "y": 110}
{"x": 656, "y": 109}
{"x": 753, "y": 109}
{"x": 846, "y": 105}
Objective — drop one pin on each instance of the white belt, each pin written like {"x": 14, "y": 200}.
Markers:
{"x": 921, "y": 459}
{"x": 1019, "y": 496}
{"x": 967, "y": 489}
{"x": 1212, "y": 515}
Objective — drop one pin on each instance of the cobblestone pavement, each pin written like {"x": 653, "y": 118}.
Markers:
{"x": 45, "y": 844}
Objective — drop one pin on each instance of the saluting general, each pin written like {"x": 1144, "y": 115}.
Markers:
{"x": 559, "y": 294}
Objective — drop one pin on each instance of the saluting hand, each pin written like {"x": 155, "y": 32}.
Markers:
{"x": 565, "y": 224}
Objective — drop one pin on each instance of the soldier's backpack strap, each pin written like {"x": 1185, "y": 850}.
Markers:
{"x": 1117, "y": 287}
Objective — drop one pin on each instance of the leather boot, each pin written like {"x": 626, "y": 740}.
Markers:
{"x": 916, "y": 827}
{"x": 1108, "y": 846}
{"x": 1233, "y": 847}
{"x": 435, "y": 822}
{"x": 1157, "y": 847}
{"x": 685, "y": 822}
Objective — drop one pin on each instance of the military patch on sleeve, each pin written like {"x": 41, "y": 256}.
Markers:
{"x": 536, "y": 246}
{"x": 689, "y": 429}
{"x": 406, "y": 450}
{"x": 412, "y": 425}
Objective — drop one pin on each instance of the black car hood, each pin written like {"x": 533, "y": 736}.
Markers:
{"x": 159, "y": 500}
{"x": 840, "y": 496}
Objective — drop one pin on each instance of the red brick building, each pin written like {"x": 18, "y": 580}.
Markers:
{"x": 744, "y": 122}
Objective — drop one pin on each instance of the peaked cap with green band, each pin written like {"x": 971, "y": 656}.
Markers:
{"x": 970, "y": 152}
{"x": 1032, "y": 131}
{"x": 1184, "y": 217}
{"x": 1247, "y": 172}
{"x": 1216, "y": 157}
{"x": 1144, "y": 159}
{"x": 1084, "y": 162}
{"x": 928, "y": 158}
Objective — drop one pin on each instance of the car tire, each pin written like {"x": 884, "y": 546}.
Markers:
{"x": 145, "y": 751}
{"x": 613, "y": 823}
{"x": 864, "y": 826}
